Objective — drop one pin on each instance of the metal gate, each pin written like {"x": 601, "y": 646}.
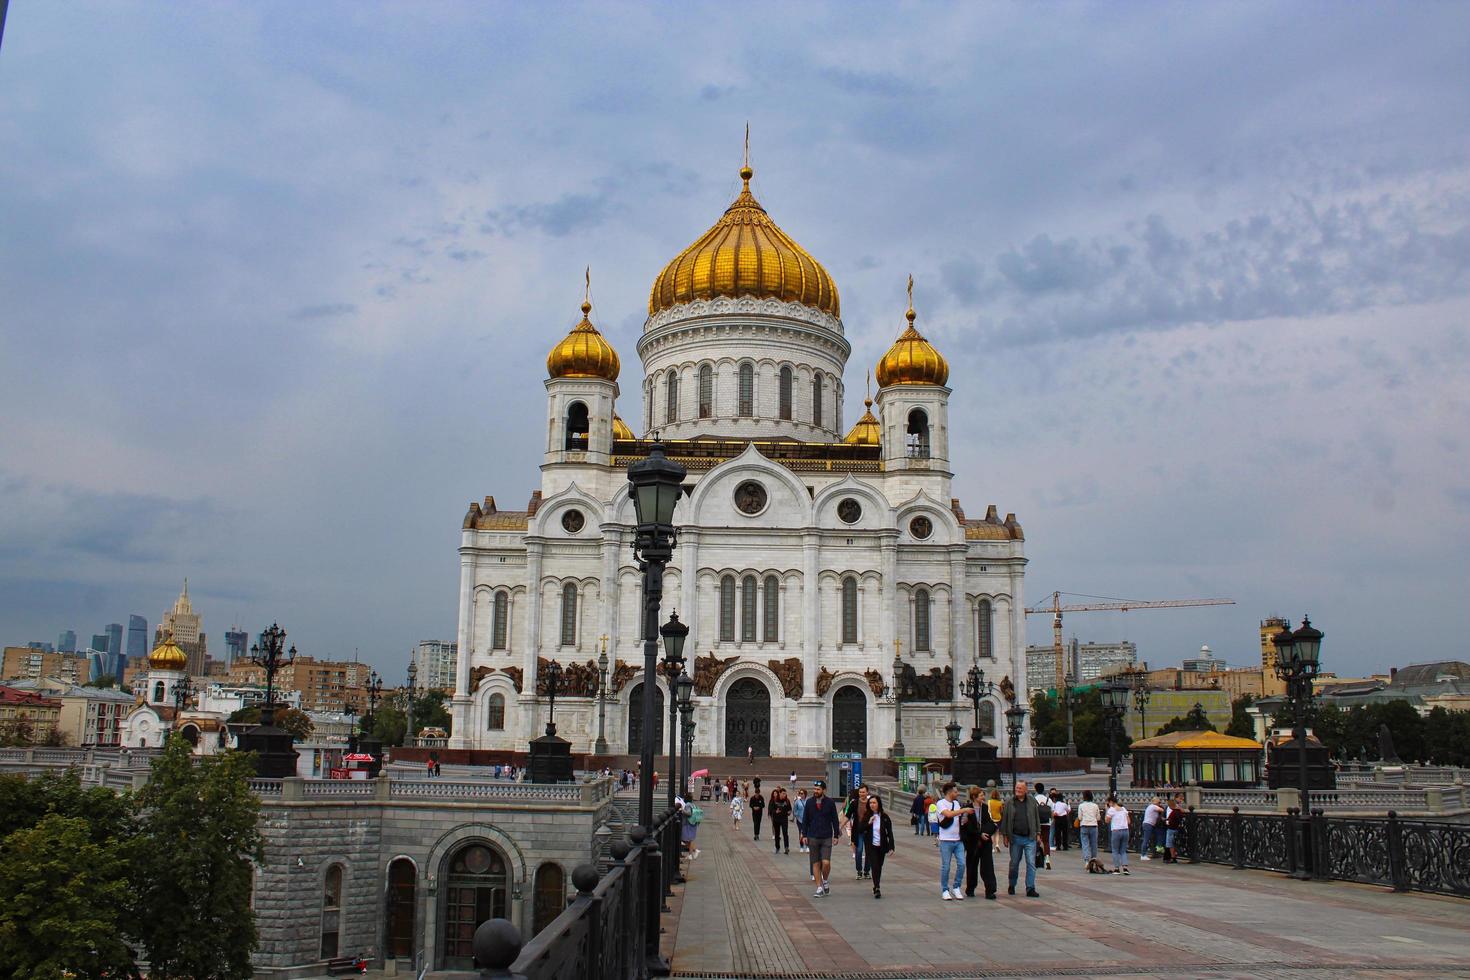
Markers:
{"x": 849, "y": 720}
{"x": 748, "y": 718}
{"x": 635, "y": 720}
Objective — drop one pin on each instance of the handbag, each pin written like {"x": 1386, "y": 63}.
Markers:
{"x": 1076, "y": 822}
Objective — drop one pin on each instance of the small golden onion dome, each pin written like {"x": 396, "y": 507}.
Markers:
{"x": 867, "y": 431}
{"x": 912, "y": 360}
{"x": 745, "y": 254}
{"x": 584, "y": 353}
{"x": 168, "y": 655}
{"x": 620, "y": 428}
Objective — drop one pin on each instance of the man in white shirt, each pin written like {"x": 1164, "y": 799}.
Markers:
{"x": 1061, "y": 819}
{"x": 950, "y": 847}
{"x": 1151, "y": 816}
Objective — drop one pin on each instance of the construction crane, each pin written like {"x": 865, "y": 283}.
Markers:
{"x": 1105, "y": 604}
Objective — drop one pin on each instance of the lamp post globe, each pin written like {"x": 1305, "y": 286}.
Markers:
{"x": 952, "y": 736}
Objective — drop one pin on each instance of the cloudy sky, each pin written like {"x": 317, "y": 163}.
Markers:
{"x": 277, "y": 282}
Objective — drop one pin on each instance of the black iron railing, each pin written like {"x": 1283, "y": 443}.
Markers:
{"x": 611, "y": 929}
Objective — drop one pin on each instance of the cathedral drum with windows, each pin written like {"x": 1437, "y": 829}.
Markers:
{"x": 808, "y": 557}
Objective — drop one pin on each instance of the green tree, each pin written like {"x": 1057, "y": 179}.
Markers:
{"x": 1240, "y": 721}
{"x": 26, "y": 802}
{"x": 389, "y": 724}
{"x": 292, "y": 720}
{"x": 1048, "y": 723}
{"x": 192, "y": 870}
{"x": 1194, "y": 720}
{"x": 106, "y": 680}
{"x": 63, "y": 896}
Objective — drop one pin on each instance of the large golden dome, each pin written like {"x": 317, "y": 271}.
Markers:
{"x": 745, "y": 254}
{"x": 912, "y": 360}
{"x": 584, "y": 353}
{"x": 168, "y": 655}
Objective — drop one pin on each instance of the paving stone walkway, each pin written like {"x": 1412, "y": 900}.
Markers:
{"x": 747, "y": 912}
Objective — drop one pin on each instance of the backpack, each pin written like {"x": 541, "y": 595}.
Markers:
{"x": 695, "y": 816}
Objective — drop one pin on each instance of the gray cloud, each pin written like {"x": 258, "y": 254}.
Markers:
{"x": 324, "y": 310}
{"x": 559, "y": 218}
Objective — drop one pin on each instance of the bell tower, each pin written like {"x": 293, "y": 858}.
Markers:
{"x": 581, "y": 391}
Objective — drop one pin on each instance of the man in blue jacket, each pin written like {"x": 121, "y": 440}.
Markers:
{"x": 820, "y": 826}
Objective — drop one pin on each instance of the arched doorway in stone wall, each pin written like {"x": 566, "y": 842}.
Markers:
{"x": 401, "y": 901}
{"x": 476, "y": 888}
{"x": 747, "y": 718}
{"x": 849, "y": 720}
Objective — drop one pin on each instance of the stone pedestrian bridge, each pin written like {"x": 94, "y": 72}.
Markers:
{"x": 745, "y": 911}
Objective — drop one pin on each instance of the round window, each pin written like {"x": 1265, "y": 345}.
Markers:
{"x": 573, "y": 521}
{"x": 750, "y": 497}
{"x": 921, "y": 527}
{"x": 849, "y": 510}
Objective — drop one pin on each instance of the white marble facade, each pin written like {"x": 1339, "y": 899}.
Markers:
{"x": 842, "y": 555}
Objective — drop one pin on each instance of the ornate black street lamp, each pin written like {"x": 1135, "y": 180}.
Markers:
{"x": 674, "y": 634}
{"x": 374, "y": 691}
{"x": 412, "y": 690}
{"x": 1297, "y": 658}
{"x": 1141, "y": 695}
{"x": 685, "y": 686}
{"x": 270, "y": 653}
{"x": 553, "y": 685}
{"x": 601, "y": 747}
{"x": 1015, "y": 725}
{"x": 654, "y": 484}
{"x": 1114, "y": 704}
{"x": 977, "y": 689}
{"x": 898, "y": 747}
{"x": 183, "y": 691}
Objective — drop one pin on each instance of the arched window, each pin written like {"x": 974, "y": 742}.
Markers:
{"x": 158, "y": 692}
{"x": 706, "y": 391}
{"x": 331, "y": 911}
{"x": 648, "y": 405}
{"x": 921, "y": 619}
{"x": 569, "y": 615}
{"x": 984, "y": 636}
{"x": 495, "y": 713}
{"x": 785, "y": 392}
{"x": 747, "y": 391}
{"x": 849, "y": 610}
{"x": 500, "y": 629}
{"x": 551, "y": 895}
{"x": 727, "y": 609}
{"x": 747, "y": 609}
{"x": 671, "y": 397}
{"x": 576, "y": 426}
{"x": 918, "y": 434}
{"x": 772, "y": 618}
{"x": 817, "y": 399}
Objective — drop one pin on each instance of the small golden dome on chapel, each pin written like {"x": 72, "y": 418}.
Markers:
{"x": 912, "y": 360}
{"x": 584, "y": 353}
{"x": 168, "y": 655}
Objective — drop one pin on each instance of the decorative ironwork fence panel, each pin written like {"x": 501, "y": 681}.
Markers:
{"x": 1352, "y": 850}
{"x": 1263, "y": 842}
{"x": 1436, "y": 857}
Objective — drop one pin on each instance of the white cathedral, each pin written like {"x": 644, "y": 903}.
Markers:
{"x": 808, "y": 557}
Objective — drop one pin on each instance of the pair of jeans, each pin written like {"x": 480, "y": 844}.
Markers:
{"x": 1146, "y": 842}
{"x": 924, "y": 828}
{"x": 978, "y": 858}
{"x": 1088, "y": 836}
{"x": 779, "y": 832}
{"x": 1023, "y": 848}
{"x": 1120, "y": 848}
{"x": 951, "y": 850}
{"x": 859, "y": 849}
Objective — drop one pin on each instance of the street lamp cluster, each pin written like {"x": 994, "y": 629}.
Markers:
{"x": 1297, "y": 657}
{"x": 1115, "y": 705}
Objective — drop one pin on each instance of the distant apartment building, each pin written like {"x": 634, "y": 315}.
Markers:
{"x": 25, "y": 663}
{"x": 237, "y": 641}
{"x": 187, "y": 629}
{"x": 436, "y": 662}
{"x": 27, "y": 714}
{"x": 326, "y": 685}
{"x": 66, "y": 642}
{"x": 137, "y": 637}
{"x": 89, "y": 716}
{"x": 1085, "y": 662}
{"x": 1270, "y": 626}
{"x": 1205, "y": 663}
{"x": 41, "y": 645}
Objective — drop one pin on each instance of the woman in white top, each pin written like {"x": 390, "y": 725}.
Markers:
{"x": 1087, "y": 817}
{"x": 737, "y": 810}
{"x": 1118, "y": 819}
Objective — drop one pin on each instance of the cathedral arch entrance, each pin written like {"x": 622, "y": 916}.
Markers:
{"x": 747, "y": 718}
{"x": 849, "y": 720}
{"x": 401, "y": 900}
{"x": 635, "y": 720}
{"x": 477, "y": 889}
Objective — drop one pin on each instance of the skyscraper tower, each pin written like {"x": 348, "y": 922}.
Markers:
{"x": 184, "y": 625}
{"x": 67, "y": 642}
{"x": 236, "y": 640}
{"x": 137, "y": 636}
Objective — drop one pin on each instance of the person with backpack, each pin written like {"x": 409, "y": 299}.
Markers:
{"x": 693, "y": 816}
{"x": 949, "y": 813}
{"x": 920, "y": 814}
{"x": 1043, "y": 834}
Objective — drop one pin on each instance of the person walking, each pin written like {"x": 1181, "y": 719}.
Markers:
{"x": 780, "y": 814}
{"x": 1151, "y": 817}
{"x": 1020, "y": 821}
{"x": 750, "y": 755}
{"x": 1087, "y": 817}
{"x": 877, "y": 831}
{"x": 977, "y": 831}
{"x": 737, "y": 810}
{"x": 995, "y": 804}
{"x": 757, "y": 810}
{"x": 693, "y": 817}
{"x": 1118, "y": 820}
{"x": 920, "y": 811}
{"x": 798, "y": 807}
{"x": 791, "y": 781}
{"x": 1173, "y": 824}
{"x": 1061, "y": 819}
{"x": 951, "y": 848}
{"x": 820, "y": 827}
{"x": 1043, "y": 833}
{"x": 852, "y": 813}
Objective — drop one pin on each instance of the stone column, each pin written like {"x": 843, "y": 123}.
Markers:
{"x": 612, "y": 540}
{"x": 460, "y": 707}
{"x": 809, "y": 726}
{"x": 687, "y": 555}
{"x": 1016, "y": 655}
{"x": 533, "y": 640}
{"x": 960, "y": 651}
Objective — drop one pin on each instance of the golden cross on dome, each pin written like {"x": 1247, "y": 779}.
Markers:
{"x": 587, "y": 293}
{"x": 910, "y": 313}
{"x": 745, "y": 172}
